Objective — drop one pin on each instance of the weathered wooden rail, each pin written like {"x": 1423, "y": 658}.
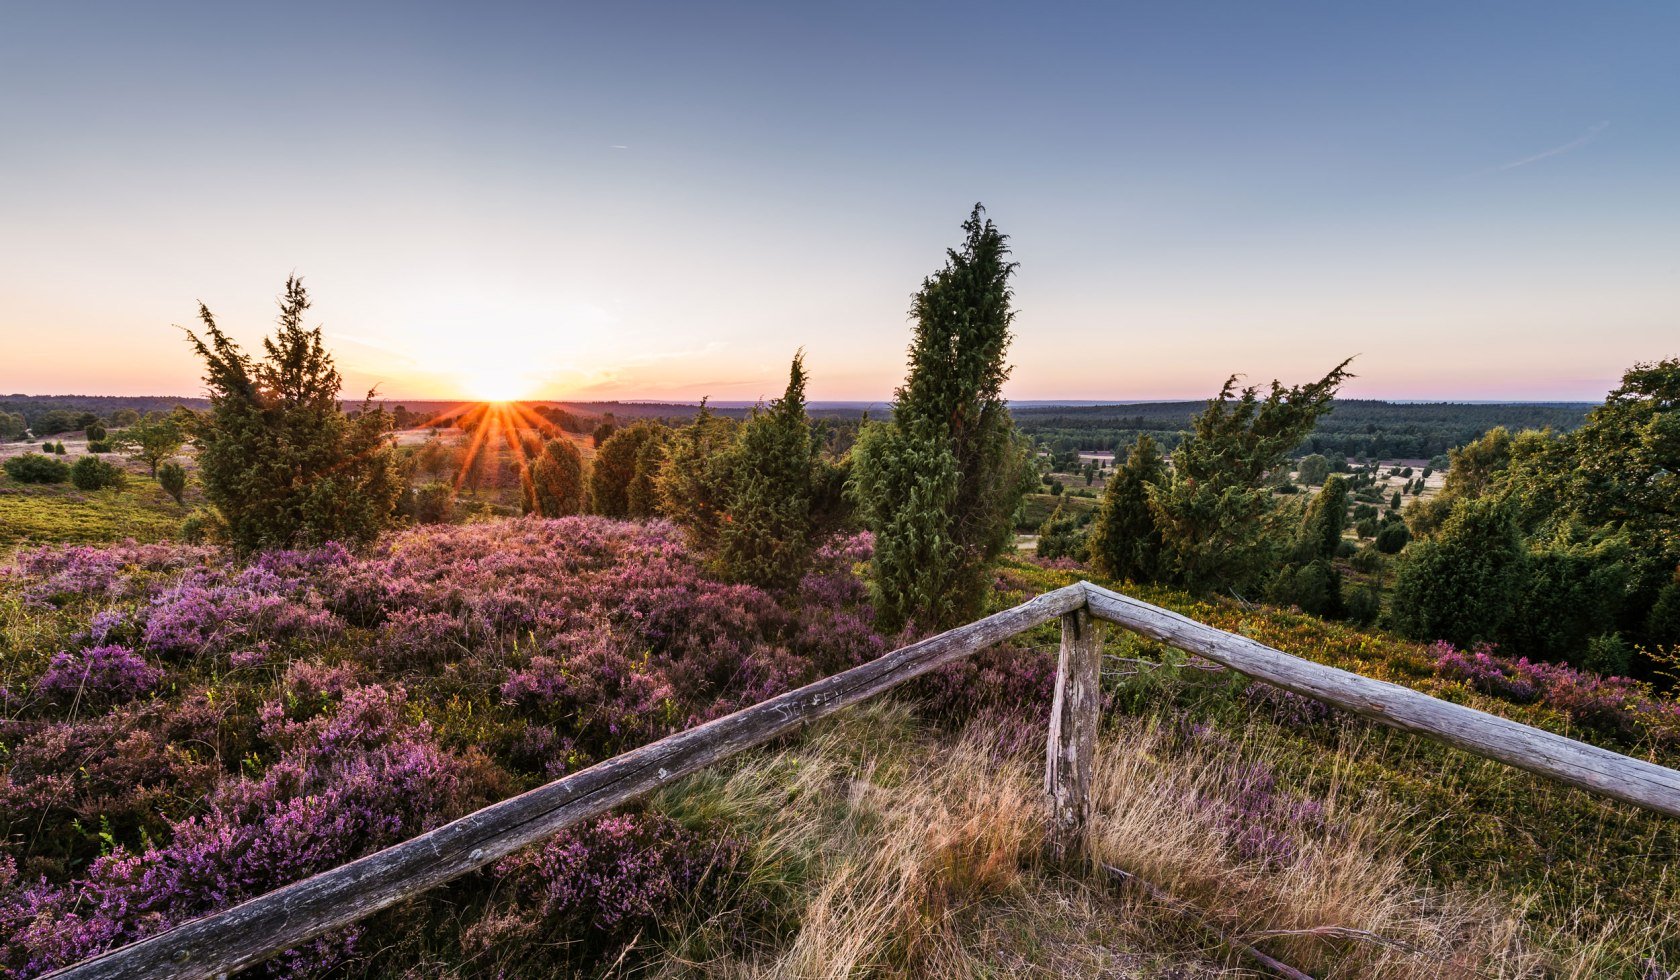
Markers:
{"x": 255, "y": 930}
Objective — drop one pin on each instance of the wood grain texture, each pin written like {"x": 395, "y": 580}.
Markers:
{"x": 251, "y": 932}
{"x": 1479, "y": 733}
{"x": 1072, "y": 741}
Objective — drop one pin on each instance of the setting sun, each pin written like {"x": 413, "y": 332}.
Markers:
{"x": 493, "y": 386}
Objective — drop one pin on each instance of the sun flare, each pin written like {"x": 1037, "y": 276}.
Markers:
{"x": 493, "y": 386}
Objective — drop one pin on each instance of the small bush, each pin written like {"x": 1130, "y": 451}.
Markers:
{"x": 99, "y": 445}
{"x": 95, "y": 433}
{"x": 97, "y": 676}
{"x": 1063, "y": 535}
{"x": 93, "y": 473}
{"x": 1367, "y": 559}
{"x": 36, "y": 468}
{"x": 1392, "y": 538}
{"x": 429, "y": 503}
{"x": 1608, "y": 654}
{"x": 1363, "y": 604}
{"x": 203, "y": 527}
{"x": 173, "y": 478}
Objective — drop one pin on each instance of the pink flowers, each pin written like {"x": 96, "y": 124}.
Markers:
{"x": 1618, "y": 707}
{"x": 351, "y": 782}
{"x": 97, "y": 675}
{"x": 200, "y": 731}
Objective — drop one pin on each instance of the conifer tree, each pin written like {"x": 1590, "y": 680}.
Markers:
{"x": 1462, "y": 584}
{"x": 1321, "y": 529}
{"x": 1125, "y": 543}
{"x": 641, "y": 496}
{"x": 555, "y": 481}
{"x": 173, "y": 478}
{"x": 939, "y": 484}
{"x": 767, "y": 540}
{"x": 694, "y": 480}
{"x": 278, "y": 458}
{"x": 1215, "y": 512}
{"x": 616, "y": 467}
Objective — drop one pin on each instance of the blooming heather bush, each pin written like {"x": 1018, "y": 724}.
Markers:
{"x": 1617, "y": 707}
{"x": 120, "y": 773}
{"x": 55, "y": 575}
{"x": 241, "y": 725}
{"x": 103, "y": 674}
{"x": 345, "y": 785}
{"x": 1263, "y": 824}
{"x": 604, "y": 882}
{"x": 608, "y": 697}
{"x": 212, "y": 611}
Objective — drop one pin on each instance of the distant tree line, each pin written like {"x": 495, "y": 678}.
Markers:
{"x": 1355, "y": 427}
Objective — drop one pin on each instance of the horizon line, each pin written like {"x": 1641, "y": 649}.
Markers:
{"x": 861, "y": 402}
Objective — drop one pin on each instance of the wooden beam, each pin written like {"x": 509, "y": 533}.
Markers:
{"x": 1073, "y": 734}
{"x": 251, "y": 932}
{"x": 1479, "y": 733}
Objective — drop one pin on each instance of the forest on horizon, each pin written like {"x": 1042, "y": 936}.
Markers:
{"x": 1354, "y": 427}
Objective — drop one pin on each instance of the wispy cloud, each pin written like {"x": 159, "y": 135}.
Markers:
{"x": 1593, "y": 133}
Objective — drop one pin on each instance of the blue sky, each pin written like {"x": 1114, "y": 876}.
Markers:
{"x": 612, "y": 201}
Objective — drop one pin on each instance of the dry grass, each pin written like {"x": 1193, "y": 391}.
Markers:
{"x": 882, "y": 850}
{"x": 1333, "y": 897}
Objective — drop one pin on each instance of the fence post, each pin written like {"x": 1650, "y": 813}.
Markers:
{"x": 1073, "y": 733}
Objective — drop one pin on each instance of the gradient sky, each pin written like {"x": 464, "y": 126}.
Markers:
{"x": 632, "y": 200}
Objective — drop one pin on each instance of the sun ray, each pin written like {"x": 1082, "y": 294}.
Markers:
{"x": 475, "y": 445}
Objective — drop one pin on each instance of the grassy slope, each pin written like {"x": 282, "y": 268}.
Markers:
{"x": 1579, "y": 863}
{"x": 1476, "y": 868}
{"x": 35, "y": 514}
{"x": 1590, "y": 880}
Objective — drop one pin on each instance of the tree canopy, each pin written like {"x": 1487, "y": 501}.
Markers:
{"x": 278, "y": 458}
{"x": 939, "y": 484}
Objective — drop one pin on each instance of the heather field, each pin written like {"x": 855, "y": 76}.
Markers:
{"x": 183, "y": 730}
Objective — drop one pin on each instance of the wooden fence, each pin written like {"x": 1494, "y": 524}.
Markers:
{"x": 255, "y": 930}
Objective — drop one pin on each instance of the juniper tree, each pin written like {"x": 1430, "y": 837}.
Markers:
{"x": 1062, "y": 535}
{"x": 1215, "y": 511}
{"x": 767, "y": 540}
{"x": 1326, "y": 517}
{"x": 641, "y": 495}
{"x": 555, "y": 485}
{"x": 619, "y": 464}
{"x": 939, "y": 484}
{"x": 693, "y": 482}
{"x": 1462, "y": 584}
{"x": 278, "y": 458}
{"x": 93, "y": 473}
{"x": 173, "y": 478}
{"x": 1125, "y": 543}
